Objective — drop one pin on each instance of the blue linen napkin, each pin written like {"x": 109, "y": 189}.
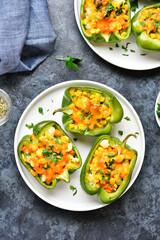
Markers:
{"x": 26, "y": 34}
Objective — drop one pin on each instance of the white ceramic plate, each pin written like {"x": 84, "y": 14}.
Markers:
{"x": 50, "y": 100}
{"x": 134, "y": 60}
{"x": 156, "y": 105}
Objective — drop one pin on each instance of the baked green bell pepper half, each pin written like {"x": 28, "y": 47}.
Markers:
{"x": 146, "y": 25}
{"x": 49, "y": 154}
{"x": 108, "y": 168}
{"x": 105, "y": 30}
{"x": 89, "y": 111}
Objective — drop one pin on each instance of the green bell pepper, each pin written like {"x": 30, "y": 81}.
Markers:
{"x": 112, "y": 36}
{"x": 91, "y": 109}
{"x": 149, "y": 34}
{"x": 43, "y": 155}
{"x": 108, "y": 168}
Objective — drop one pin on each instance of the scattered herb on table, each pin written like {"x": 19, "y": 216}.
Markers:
{"x": 131, "y": 50}
{"x": 30, "y": 126}
{"x": 40, "y": 110}
{"x": 74, "y": 189}
{"x": 120, "y": 133}
{"x": 70, "y": 62}
{"x": 127, "y": 118}
{"x": 143, "y": 54}
{"x": 75, "y": 139}
{"x": 125, "y": 55}
{"x": 117, "y": 45}
{"x": 158, "y": 110}
{"x": 137, "y": 133}
{"x": 110, "y": 48}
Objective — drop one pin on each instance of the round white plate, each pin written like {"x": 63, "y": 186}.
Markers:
{"x": 51, "y": 99}
{"x": 156, "y": 105}
{"x": 134, "y": 61}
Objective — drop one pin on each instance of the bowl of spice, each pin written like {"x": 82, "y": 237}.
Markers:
{"x": 157, "y": 109}
{"x": 5, "y": 107}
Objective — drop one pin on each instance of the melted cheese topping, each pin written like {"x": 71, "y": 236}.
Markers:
{"x": 150, "y": 22}
{"x": 90, "y": 110}
{"x": 109, "y": 166}
{"x": 50, "y": 155}
{"x": 105, "y": 16}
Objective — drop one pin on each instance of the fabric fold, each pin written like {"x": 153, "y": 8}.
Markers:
{"x": 26, "y": 35}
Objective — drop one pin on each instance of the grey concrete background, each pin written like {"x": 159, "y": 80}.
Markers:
{"x": 135, "y": 216}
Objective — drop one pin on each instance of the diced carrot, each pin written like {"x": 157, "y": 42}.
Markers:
{"x": 82, "y": 15}
{"x": 57, "y": 133}
{"x": 72, "y": 152}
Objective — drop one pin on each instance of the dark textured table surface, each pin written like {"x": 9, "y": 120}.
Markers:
{"x": 134, "y": 216}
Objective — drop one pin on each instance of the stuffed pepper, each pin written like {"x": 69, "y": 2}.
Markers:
{"x": 89, "y": 111}
{"x": 105, "y": 20}
{"x": 49, "y": 154}
{"x": 146, "y": 24}
{"x": 108, "y": 168}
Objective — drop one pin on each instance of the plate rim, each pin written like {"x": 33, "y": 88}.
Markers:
{"x": 95, "y": 50}
{"x": 57, "y": 86}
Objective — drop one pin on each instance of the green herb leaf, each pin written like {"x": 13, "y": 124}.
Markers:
{"x": 73, "y": 189}
{"x": 137, "y": 133}
{"x": 117, "y": 45}
{"x": 109, "y": 7}
{"x": 158, "y": 110}
{"x": 127, "y": 118}
{"x": 30, "y": 126}
{"x": 125, "y": 55}
{"x": 40, "y": 110}
{"x": 70, "y": 62}
{"x": 142, "y": 23}
{"x": 132, "y": 50}
{"x": 110, "y": 48}
{"x": 134, "y": 5}
{"x": 75, "y": 139}
{"x": 120, "y": 133}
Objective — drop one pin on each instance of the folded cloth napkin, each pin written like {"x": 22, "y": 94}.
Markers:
{"x": 26, "y": 34}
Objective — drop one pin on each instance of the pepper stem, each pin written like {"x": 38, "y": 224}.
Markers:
{"x": 64, "y": 110}
{"x": 123, "y": 144}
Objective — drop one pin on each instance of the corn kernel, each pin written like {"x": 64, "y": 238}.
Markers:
{"x": 71, "y": 126}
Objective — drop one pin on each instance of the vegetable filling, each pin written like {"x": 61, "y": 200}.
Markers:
{"x": 150, "y": 22}
{"x": 109, "y": 166}
{"x": 89, "y": 110}
{"x": 105, "y": 16}
{"x": 50, "y": 155}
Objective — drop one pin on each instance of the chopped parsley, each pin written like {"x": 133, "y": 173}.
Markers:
{"x": 120, "y": 133}
{"x": 74, "y": 189}
{"x": 127, "y": 118}
{"x": 142, "y": 23}
{"x": 158, "y": 110}
{"x": 30, "y": 126}
{"x": 40, "y": 110}
{"x": 110, "y": 48}
{"x": 137, "y": 133}
{"x": 75, "y": 139}
{"x": 134, "y": 5}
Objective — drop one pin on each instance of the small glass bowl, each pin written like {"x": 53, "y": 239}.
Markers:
{"x": 8, "y": 101}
